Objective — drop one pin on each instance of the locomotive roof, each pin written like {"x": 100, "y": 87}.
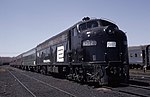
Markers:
{"x": 84, "y": 20}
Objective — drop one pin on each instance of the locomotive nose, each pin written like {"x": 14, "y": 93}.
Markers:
{"x": 110, "y": 29}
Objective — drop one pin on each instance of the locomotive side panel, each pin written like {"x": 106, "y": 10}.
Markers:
{"x": 50, "y": 51}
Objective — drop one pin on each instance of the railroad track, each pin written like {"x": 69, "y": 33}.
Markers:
{"x": 136, "y": 90}
{"x": 142, "y": 80}
{"x": 132, "y": 90}
{"x": 22, "y": 84}
{"x": 72, "y": 89}
{"x": 40, "y": 82}
{"x": 54, "y": 87}
{"x": 140, "y": 77}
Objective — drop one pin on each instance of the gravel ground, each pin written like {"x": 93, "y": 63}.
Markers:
{"x": 9, "y": 87}
{"x": 46, "y": 86}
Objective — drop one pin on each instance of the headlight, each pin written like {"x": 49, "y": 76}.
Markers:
{"x": 109, "y": 29}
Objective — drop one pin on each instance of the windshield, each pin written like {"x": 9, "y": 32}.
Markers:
{"x": 88, "y": 25}
{"x": 106, "y": 23}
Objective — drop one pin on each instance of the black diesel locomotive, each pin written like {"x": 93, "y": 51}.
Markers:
{"x": 93, "y": 50}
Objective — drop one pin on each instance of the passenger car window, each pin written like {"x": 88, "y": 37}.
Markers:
{"x": 135, "y": 55}
{"x": 131, "y": 55}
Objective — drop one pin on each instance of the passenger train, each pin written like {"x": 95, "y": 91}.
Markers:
{"x": 92, "y": 50}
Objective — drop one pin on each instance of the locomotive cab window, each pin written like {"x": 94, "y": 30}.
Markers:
{"x": 107, "y": 23}
{"x": 88, "y": 25}
{"x": 82, "y": 27}
{"x": 92, "y": 24}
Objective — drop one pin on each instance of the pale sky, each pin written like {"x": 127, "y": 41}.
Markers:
{"x": 26, "y": 23}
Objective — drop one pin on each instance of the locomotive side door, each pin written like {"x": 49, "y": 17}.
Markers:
{"x": 69, "y": 51}
{"x": 74, "y": 45}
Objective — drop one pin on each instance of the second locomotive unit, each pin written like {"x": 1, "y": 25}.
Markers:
{"x": 93, "y": 50}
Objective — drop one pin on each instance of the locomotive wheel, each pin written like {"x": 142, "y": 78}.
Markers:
{"x": 43, "y": 70}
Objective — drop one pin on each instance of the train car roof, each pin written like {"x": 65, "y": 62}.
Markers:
{"x": 134, "y": 47}
{"x": 137, "y": 47}
{"x": 29, "y": 52}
